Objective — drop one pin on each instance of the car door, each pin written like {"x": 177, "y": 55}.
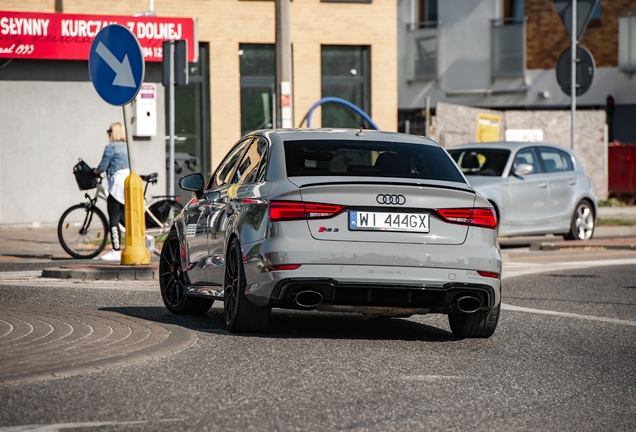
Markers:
{"x": 216, "y": 194}
{"x": 562, "y": 185}
{"x": 525, "y": 208}
{"x": 230, "y": 206}
{"x": 197, "y": 214}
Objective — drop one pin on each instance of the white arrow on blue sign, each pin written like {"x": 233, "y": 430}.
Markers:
{"x": 116, "y": 64}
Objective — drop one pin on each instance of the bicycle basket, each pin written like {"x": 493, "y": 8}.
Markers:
{"x": 84, "y": 176}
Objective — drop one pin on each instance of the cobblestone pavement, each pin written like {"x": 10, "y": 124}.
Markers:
{"x": 47, "y": 342}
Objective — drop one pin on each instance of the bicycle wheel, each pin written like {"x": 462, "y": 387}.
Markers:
{"x": 162, "y": 210}
{"x": 83, "y": 231}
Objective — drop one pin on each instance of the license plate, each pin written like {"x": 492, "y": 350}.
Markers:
{"x": 384, "y": 221}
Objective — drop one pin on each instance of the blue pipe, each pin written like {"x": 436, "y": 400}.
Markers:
{"x": 342, "y": 102}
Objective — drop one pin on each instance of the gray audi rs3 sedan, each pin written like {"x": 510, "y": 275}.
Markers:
{"x": 368, "y": 222}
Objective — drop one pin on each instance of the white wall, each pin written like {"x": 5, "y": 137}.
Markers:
{"x": 45, "y": 126}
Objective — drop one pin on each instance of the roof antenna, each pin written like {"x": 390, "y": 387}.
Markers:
{"x": 359, "y": 133}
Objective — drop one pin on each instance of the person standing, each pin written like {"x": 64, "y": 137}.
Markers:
{"x": 115, "y": 163}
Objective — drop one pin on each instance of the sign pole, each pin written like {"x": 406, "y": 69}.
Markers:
{"x": 135, "y": 251}
{"x": 116, "y": 67}
{"x": 573, "y": 72}
{"x": 171, "y": 125}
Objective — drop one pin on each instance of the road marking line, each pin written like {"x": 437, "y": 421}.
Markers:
{"x": 567, "y": 314}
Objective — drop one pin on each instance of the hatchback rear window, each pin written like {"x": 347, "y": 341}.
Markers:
{"x": 369, "y": 159}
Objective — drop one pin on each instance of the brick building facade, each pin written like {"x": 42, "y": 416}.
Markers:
{"x": 547, "y": 37}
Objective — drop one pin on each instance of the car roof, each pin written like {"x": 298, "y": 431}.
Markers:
{"x": 344, "y": 134}
{"x": 507, "y": 145}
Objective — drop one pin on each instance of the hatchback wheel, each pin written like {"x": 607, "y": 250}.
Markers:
{"x": 241, "y": 316}
{"x": 480, "y": 324}
{"x": 582, "y": 224}
{"x": 172, "y": 281}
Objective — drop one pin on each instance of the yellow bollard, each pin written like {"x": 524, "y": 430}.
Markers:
{"x": 135, "y": 251}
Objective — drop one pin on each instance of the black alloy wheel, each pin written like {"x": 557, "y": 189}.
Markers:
{"x": 241, "y": 316}
{"x": 173, "y": 280}
{"x": 480, "y": 324}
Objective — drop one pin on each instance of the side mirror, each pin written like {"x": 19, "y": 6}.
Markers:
{"x": 192, "y": 182}
{"x": 523, "y": 170}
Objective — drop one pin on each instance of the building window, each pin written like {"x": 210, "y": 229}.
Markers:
{"x": 346, "y": 74}
{"x": 428, "y": 12}
{"x": 513, "y": 11}
{"x": 258, "y": 81}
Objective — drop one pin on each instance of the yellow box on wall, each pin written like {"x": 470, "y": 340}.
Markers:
{"x": 488, "y": 127}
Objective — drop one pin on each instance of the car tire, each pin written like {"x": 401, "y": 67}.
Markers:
{"x": 241, "y": 315}
{"x": 480, "y": 324}
{"x": 582, "y": 223}
{"x": 173, "y": 281}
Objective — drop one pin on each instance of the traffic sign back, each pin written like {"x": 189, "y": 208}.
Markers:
{"x": 116, "y": 64}
{"x": 584, "y": 11}
{"x": 585, "y": 68}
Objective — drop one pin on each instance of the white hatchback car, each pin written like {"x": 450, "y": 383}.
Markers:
{"x": 536, "y": 188}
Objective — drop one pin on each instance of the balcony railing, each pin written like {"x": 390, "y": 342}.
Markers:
{"x": 508, "y": 48}
{"x": 627, "y": 41}
{"x": 422, "y": 54}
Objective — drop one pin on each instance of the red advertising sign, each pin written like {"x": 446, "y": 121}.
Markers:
{"x": 57, "y": 36}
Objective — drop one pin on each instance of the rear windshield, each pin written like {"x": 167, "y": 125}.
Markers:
{"x": 484, "y": 161}
{"x": 369, "y": 159}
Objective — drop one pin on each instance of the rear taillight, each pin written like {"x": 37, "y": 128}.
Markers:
{"x": 488, "y": 274}
{"x": 296, "y": 210}
{"x": 281, "y": 267}
{"x": 481, "y": 217}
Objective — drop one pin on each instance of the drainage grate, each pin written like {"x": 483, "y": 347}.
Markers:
{"x": 572, "y": 276}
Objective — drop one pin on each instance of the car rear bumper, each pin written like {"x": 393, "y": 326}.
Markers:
{"x": 363, "y": 288}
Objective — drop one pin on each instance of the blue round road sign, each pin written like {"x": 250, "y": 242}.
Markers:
{"x": 116, "y": 64}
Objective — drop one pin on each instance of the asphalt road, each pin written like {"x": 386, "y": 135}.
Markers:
{"x": 562, "y": 358}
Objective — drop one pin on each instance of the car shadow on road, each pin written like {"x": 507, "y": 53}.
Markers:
{"x": 301, "y": 325}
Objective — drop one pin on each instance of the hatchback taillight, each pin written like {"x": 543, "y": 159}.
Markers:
{"x": 481, "y": 217}
{"x": 296, "y": 210}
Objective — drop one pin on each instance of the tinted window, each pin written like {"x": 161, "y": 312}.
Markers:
{"x": 248, "y": 168}
{"x": 485, "y": 162}
{"x": 526, "y": 156}
{"x": 222, "y": 174}
{"x": 555, "y": 160}
{"x": 369, "y": 159}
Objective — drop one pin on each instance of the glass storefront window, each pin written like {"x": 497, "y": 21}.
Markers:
{"x": 258, "y": 80}
{"x": 346, "y": 75}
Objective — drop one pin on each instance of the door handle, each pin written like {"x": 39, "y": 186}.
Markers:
{"x": 572, "y": 182}
{"x": 543, "y": 185}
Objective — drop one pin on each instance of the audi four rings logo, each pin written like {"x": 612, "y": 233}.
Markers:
{"x": 391, "y": 199}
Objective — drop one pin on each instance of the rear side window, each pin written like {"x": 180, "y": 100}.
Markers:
{"x": 248, "y": 169}
{"x": 483, "y": 162}
{"x": 555, "y": 160}
{"x": 369, "y": 159}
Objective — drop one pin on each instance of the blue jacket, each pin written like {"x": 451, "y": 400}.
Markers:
{"x": 114, "y": 159}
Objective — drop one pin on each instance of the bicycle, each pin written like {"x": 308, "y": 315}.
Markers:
{"x": 83, "y": 228}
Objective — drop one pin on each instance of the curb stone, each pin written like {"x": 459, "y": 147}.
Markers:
{"x": 102, "y": 274}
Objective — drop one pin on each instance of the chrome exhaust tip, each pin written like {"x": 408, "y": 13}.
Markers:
{"x": 468, "y": 304}
{"x": 308, "y": 299}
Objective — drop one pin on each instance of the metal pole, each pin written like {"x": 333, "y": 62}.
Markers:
{"x": 284, "y": 107}
{"x": 573, "y": 72}
{"x": 127, "y": 116}
{"x": 171, "y": 131}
